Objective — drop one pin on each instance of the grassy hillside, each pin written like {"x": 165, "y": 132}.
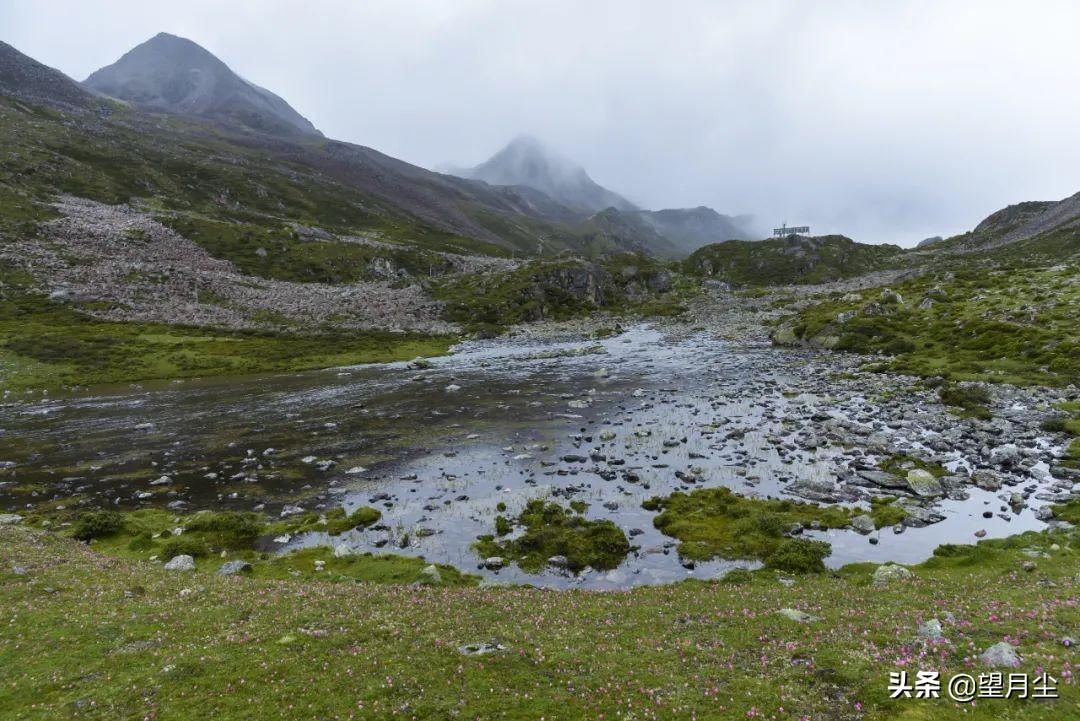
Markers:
{"x": 791, "y": 260}
{"x": 90, "y": 636}
{"x": 1005, "y": 316}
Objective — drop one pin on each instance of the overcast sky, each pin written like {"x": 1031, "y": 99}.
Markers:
{"x": 885, "y": 121}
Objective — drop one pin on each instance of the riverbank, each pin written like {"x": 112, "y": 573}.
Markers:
{"x": 95, "y": 637}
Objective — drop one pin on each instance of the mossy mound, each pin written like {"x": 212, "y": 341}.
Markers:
{"x": 718, "y": 523}
{"x": 550, "y": 530}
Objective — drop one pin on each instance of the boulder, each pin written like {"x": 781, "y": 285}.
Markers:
{"x": 864, "y": 524}
{"x": 924, "y": 484}
{"x": 930, "y": 630}
{"x": 10, "y": 519}
{"x": 1001, "y": 654}
{"x": 232, "y": 568}
{"x": 182, "y": 562}
{"x": 884, "y": 575}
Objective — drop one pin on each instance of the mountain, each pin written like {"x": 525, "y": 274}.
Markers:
{"x": 690, "y": 228}
{"x": 795, "y": 259}
{"x": 23, "y": 77}
{"x": 528, "y": 162}
{"x": 175, "y": 75}
{"x": 1027, "y": 220}
{"x": 613, "y": 230}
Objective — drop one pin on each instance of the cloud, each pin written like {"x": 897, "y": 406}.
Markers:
{"x": 888, "y": 122}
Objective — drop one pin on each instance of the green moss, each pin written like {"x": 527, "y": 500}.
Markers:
{"x": 971, "y": 400}
{"x": 551, "y": 530}
{"x": 226, "y": 529}
{"x": 363, "y": 567}
{"x": 98, "y": 524}
{"x": 798, "y": 555}
{"x": 885, "y": 513}
{"x": 185, "y": 546}
{"x": 716, "y": 522}
{"x": 337, "y": 522}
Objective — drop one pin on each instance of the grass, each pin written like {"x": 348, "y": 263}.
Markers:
{"x": 92, "y": 636}
{"x": 549, "y": 530}
{"x": 783, "y": 261}
{"x": 50, "y": 345}
{"x": 1014, "y": 324}
{"x": 213, "y": 537}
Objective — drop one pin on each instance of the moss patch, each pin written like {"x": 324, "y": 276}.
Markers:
{"x": 716, "y": 522}
{"x": 549, "y": 530}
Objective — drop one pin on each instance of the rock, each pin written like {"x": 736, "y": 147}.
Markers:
{"x": 1028, "y": 566}
{"x": 343, "y": 550}
{"x": 480, "y": 649}
{"x": 430, "y": 574}
{"x": 930, "y": 630}
{"x": 923, "y": 483}
{"x": 987, "y": 480}
{"x": 494, "y": 563}
{"x": 10, "y": 519}
{"x": 558, "y": 561}
{"x": 607, "y": 435}
{"x": 884, "y": 575}
{"x": 452, "y": 388}
{"x": 232, "y": 568}
{"x": 796, "y": 615}
{"x": 291, "y": 511}
{"x": 863, "y": 524}
{"x": 1001, "y": 654}
{"x": 182, "y": 562}
{"x": 420, "y": 363}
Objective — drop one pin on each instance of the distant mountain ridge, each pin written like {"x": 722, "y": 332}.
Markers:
{"x": 173, "y": 74}
{"x": 527, "y": 161}
{"x": 691, "y": 228}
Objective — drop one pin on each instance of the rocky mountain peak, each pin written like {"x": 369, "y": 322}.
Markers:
{"x": 172, "y": 74}
{"x": 527, "y": 161}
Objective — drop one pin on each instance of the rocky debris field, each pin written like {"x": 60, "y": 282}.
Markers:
{"x": 117, "y": 263}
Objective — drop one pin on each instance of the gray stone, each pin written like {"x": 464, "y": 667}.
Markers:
{"x": 923, "y": 483}
{"x": 494, "y": 563}
{"x": 1001, "y": 654}
{"x": 884, "y": 575}
{"x": 930, "y": 629}
{"x": 864, "y": 524}
{"x": 480, "y": 649}
{"x": 10, "y": 519}
{"x": 182, "y": 562}
{"x": 232, "y": 568}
